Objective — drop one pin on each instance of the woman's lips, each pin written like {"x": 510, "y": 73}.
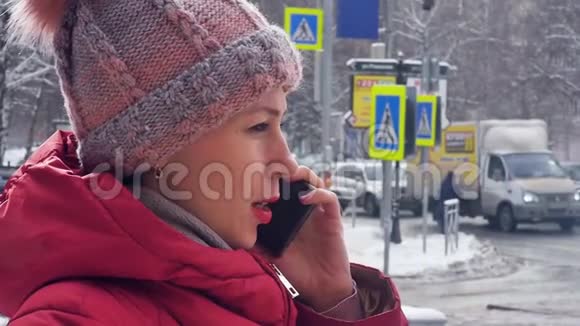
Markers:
{"x": 262, "y": 210}
{"x": 262, "y": 213}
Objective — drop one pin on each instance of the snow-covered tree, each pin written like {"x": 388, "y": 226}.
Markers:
{"x": 27, "y": 80}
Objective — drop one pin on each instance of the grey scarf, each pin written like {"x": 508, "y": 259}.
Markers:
{"x": 181, "y": 220}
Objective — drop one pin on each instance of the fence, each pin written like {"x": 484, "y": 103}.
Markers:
{"x": 451, "y": 225}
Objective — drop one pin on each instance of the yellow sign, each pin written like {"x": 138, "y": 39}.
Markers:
{"x": 305, "y": 27}
{"x": 362, "y": 97}
{"x": 387, "y": 130}
{"x": 458, "y": 145}
{"x": 426, "y": 120}
{"x": 458, "y": 153}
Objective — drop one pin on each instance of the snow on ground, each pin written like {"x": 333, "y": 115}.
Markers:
{"x": 366, "y": 246}
{"x": 424, "y": 316}
{"x": 14, "y": 156}
{"x": 414, "y": 314}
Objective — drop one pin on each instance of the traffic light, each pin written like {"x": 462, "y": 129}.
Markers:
{"x": 428, "y": 4}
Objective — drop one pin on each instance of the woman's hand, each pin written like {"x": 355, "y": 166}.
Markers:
{"x": 316, "y": 262}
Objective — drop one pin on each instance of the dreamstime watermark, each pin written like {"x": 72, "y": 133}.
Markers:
{"x": 464, "y": 181}
{"x": 216, "y": 181}
{"x": 415, "y": 177}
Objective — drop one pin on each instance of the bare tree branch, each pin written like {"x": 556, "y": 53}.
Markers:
{"x": 29, "y": 77}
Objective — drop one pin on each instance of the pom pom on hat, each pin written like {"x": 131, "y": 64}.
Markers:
{"x": 35, "y": 22}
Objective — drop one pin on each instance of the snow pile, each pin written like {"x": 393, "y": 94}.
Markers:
{"x": 365, "y": 246}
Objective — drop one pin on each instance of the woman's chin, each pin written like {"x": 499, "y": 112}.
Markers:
{"x": 246, "y": 241}
{"x": 251, "y": 240}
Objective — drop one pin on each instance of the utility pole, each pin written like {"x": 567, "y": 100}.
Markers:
{"x": 396, "y": 225}
{"x": 326, "y": 79}
{"x": 426, "y": 88}
{"x": 317, "y": 71}
{"x": 391, "y": 6}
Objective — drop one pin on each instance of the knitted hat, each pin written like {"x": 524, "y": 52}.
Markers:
{"x": 144, "y": 78}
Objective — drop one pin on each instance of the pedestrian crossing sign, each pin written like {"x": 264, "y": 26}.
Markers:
{"x": 305, "y": 26}
{"x": 425, "y": 120}
{"x": 387, "y": 130}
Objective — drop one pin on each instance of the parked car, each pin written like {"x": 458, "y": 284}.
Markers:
{"x": 363, "y": 180}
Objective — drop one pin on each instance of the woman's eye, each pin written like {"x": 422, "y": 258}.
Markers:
{"x": 260, "y": 127}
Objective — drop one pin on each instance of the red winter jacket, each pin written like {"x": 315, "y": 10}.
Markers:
{"x": 71, "y": 258}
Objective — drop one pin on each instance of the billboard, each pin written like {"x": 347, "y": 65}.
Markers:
{"x": 362, "y": 97}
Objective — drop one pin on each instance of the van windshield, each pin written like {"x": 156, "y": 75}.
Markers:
{"x": 534, "y": 165}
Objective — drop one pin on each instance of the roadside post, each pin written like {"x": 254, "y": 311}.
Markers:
{"x": 310, "y": 29}
{"x": 451, "y": 225}
{"x": 428, "y": 127}
{"x": 391, "y": 133}
{"x": 387, "y": 143}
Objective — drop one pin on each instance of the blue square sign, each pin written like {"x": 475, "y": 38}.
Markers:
{"x": 303, "y": 30}
{"x": 358, "y": 19}
{"x": 387, "y": 129}
{"x": 424, "y": 120}
{"x": 387, "y": 123}
{"x": 304, "y": 26}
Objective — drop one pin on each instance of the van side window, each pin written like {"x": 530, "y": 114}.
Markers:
{"x": 496, "y": 169}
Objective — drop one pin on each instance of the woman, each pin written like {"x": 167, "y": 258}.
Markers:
{"x": 183, "y": 100}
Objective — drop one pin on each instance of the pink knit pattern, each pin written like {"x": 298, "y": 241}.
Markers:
{"x": 144, "y": 78}
{"x": 96, "y": 42}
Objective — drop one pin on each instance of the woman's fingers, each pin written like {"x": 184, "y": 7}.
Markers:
{"x": 304, "y": 173}
{"x": 319, "y": 196}
{"x": 325, "y": 198}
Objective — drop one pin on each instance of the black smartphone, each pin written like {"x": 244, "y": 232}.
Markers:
{"x": 288, "y": 216}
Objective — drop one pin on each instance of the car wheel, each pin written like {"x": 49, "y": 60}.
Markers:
{"x": 371, "y": 206}
{"x": 506, "y": 220}
{"x": 567, "y": 225}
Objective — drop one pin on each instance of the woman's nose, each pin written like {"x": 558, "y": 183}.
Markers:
{"x": 281, "y": 156}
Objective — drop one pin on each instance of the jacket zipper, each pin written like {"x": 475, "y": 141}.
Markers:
{"x": 289, "y": 287}
{"x": 284, "y": 283}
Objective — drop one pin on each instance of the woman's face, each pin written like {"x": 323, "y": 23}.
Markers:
{"x": 233, "y": 171}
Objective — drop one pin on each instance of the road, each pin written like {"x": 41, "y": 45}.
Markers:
{"x": 545, "y": 290}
